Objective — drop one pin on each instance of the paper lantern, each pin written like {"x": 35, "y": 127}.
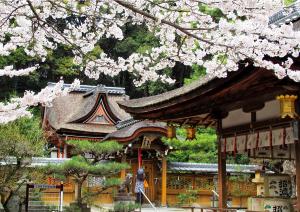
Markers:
{"x": 287, "y": 105}
{"x": 171, "y": 131}
{"x": 190, "y": 133}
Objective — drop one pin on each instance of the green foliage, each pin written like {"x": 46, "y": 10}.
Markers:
{"x": 125, "y": 207}
{"x": 72, "y": 208}
{"x": 79, "y": 167}
{"x": 201, "y": 149}
{"x": 238, "y": 159}
{"x": 198, "y": 71}
{"x": 188, "y": 197}
{"x": 289, "y": 2}
{"x": 94, "y": 148}
{"x": 215, "y": 13}
{"x": 66, "y": 67}
{"x": 60, "y": 63}
{"x": 137, "y": 39}
{"x": 21, "y": 139}
{"x": 18, "y": 58}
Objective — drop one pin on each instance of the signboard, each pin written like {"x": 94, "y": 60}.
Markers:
{"x": 46, "y": 186}
{"x": 278, "y": 186}
{"x": 43, "y": 186}
{"x": 276, "y": 205}
{"x": 269, "y": 204}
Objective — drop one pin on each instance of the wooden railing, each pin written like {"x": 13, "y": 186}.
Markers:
{"x": 212, "y": 209}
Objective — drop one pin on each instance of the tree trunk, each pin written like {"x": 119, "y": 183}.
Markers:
{"x": 79, "y": 197}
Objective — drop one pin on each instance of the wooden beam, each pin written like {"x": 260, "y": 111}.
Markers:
{"x": 222, "y": 190}
{"x": 164, "y": 183}
{"x": 297, "y": 158}
{"x": 254, "y": 106}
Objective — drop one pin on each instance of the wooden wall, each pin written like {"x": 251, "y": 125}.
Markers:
{"x": 177, "y": 184}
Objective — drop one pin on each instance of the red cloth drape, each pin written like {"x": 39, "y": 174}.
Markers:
{"x": 140, "y": 157}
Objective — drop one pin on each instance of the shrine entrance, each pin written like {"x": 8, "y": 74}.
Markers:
{"x": 149, "y": 172}
{"x": 144, "y": 148}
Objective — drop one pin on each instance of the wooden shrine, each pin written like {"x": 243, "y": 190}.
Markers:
{"x": 252, "y": 110}
{"x": 92, "y": 113}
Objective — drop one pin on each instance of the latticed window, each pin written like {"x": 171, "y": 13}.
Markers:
{"x": 202, "y": 183}
{"x": 239, "y": 188}
{"x": 179, "y": 182}
{"x": 95, "y": 181}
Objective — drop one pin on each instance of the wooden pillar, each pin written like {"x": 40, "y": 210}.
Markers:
{"x": 65, "y": 150}
{"x": 297, "y": 154}
{"x": 297, "y": 157}
{"x": 76, "y": 191}
{"x": 222, "y": 190}
{"x": 123, "y": 171}
{"x": 58, "y": 151}
{"x": 164, "y": 183}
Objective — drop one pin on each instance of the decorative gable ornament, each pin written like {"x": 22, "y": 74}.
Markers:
{"x": 99, "y": 119}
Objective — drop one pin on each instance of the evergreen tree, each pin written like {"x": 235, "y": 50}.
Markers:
{"x": 202, "y": 149}
{"x": 90, "y": 159}
{"x": 20, "y": 141}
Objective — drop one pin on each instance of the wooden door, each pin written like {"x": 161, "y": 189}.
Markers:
{"x": 148, "y": 167}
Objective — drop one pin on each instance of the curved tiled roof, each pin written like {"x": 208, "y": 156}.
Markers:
{"x": 211, "y": 167}
{"x": 131, "y": 128}
{"x": 151, "y": 100}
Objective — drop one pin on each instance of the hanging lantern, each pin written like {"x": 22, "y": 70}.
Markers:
{"x": 190, "y": 133}
{"x": 171, "y": 131}
{"x": 287, "y": 105}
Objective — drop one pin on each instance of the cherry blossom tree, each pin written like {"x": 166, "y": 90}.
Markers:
{"x": 188, "y": 33}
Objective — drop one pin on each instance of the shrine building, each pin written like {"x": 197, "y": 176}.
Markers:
{"x": 255, "y": 113}
{"x": 92, "y": 113}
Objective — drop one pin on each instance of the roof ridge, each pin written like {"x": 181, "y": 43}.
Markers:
{"x": 286, "y": 15}
{"x": 127, "y": 122}
{"x": 91, "y": 88}
{"x": 228, "y": 164}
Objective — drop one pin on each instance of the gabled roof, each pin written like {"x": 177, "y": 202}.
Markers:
{"x": 135, "y": 128}
{"x": 76, "y": 112}
{"x": 200, "y": 102}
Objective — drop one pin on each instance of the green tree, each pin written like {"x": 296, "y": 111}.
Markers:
{"x": 288, "y": 2}
{"x": 19, "y": 142}
{"x": 91, "y": 159}
{"x": 202, "y": 149}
